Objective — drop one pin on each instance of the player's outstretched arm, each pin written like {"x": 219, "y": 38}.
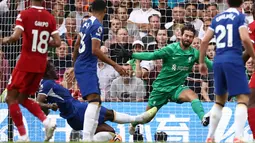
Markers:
{"x": 56, "y": 42}
{"x": 14, "y": 37}
{"x": 158, "y": 54}
{"x": 244, "y": 35}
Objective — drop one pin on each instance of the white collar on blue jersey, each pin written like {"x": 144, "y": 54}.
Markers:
{"x": 231, "y": 9}
{"x": 37, "y": 7}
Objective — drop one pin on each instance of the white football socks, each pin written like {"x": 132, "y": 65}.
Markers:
{"x": 241, "y": 116}
{"x": 215, "y": 115}
{"x": 123, "y": 118}
{"x": 90, "y": 121}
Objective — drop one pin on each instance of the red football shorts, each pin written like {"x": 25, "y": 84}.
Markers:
{"x": 252, "y": 81}
{"x": 25, "y": 82}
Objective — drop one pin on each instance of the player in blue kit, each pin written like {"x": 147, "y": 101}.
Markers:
{"x": 230, "y": 31}
{"x": 54, "y": 96}
{"x": 87, "y": 51}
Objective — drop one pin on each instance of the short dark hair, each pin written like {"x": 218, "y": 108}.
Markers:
{"x": 188, "y": 27}
{"x": 188, "y": 4}
{"x": 152, "y": 16}
{"x": 211, "y": 4}
{"x": 98, "y": 6}
{"x": 235, "y": 3}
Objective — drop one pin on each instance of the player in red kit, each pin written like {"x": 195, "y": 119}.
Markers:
{"x": 251, "y": 105}
{"x": 36, "y": 25}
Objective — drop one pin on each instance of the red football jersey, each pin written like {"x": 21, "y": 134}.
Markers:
{"x": 252, "y": 32}
{"x": 37, "y": 25}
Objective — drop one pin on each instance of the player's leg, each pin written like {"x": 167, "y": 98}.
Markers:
{"x": 156, "y": 99}
{"x": 105, "y": 133}
{"x": 251, "y": 106}
{"x": 13, "y": 104}
{"x": 123, "y": 118}
{"x": 220, "y": 85}
{"x": 30, "y": 87}
{"x": 16, "y": 114}
{"x": 237, "y": 84}
{"x": 89, "y": 87}
{"x": 184, "y": 94}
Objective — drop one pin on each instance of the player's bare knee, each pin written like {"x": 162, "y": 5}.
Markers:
{"x": 11, "y": 97}
{"x": 243, "y": 99}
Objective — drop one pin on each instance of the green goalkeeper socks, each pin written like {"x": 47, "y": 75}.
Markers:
{"x": 198, "y": 108}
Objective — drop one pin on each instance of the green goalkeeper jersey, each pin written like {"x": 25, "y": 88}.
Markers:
{"x": 177, "y": 64}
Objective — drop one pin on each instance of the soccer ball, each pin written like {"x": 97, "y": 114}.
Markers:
{"x": 116, "y": 138}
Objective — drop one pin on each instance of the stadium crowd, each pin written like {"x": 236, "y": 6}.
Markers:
{"x": 133, "y": 25}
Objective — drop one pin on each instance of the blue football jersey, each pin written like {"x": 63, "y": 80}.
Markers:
{"x": 226, "y": 27}
{"x": 61, "y": 96}
{"x": 91, "y": 29}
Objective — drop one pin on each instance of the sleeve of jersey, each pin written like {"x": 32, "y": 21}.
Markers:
{"x": 20, "y": 21}
{"x": 97, "y": 32}
{"x": 158, "y": 54}
{"x": 242, "y": 22}
{"x": 209, "y": 63}
{"x": 54, "y": 26}
{"x": 252, "y": 32}
{"x": 45, "y": 88}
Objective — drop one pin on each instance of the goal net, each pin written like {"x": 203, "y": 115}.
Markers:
{"x": 135, "y": 26}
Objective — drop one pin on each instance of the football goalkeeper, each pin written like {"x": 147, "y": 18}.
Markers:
{"x": 178, "y": 61}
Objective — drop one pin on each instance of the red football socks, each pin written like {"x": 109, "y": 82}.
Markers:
{"x": 34, "y": 108}
{"x": 251, "y": 119}
{"x": 16, "y": 115}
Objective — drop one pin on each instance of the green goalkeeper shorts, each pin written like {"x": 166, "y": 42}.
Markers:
{"x": 159, "y": 98}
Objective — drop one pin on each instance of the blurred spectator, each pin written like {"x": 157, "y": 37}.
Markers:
{"x": 106, "y": 24}
{"x": 3, "y": 6}
{"x": 141, "y": 17}
{"x": 249, "y": 68}
{"x": 210, "y": 12}
{"x": 150, "y": 39}
{"x": 81, "y": 8}
{"x": 165, "y": 11}
{"x": 62, "y": 59}
{"x": 115, "y": 26}
{"x": 132, "y": 29}
{"x": 247, "y": 8}
{"x": 162, "y": 38}
{"x": 127, "y": 4}
{"x": 121, "y": 43}
{"x": 176, "y": 33}
{"x": 142, "y": 68}
{"x": 160, "y": 136}
{"x": 196, "y": 43}
{"x": 178, "y": 13}
{"x": 127, "y": 89}
{"x": 71, "y": 35}
{"x": 7, "y": 23}
{"x": 58, "y": 13}
{"x": 106, "y": 74}
{"x": 4, "y": 71}
{"x": 205, "y": 26}
{"x": 191, "y": 15}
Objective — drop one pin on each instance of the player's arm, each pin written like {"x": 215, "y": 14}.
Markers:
{"x": 158, "y": 54}
{"x": 244, "y": 35}
{"x": 76, "y": 48}
{"x": 56, "y": 42}
{"x": 204, "y": 45}
{"x": 14, "y": 37}
{"x": 42, "y": 101}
